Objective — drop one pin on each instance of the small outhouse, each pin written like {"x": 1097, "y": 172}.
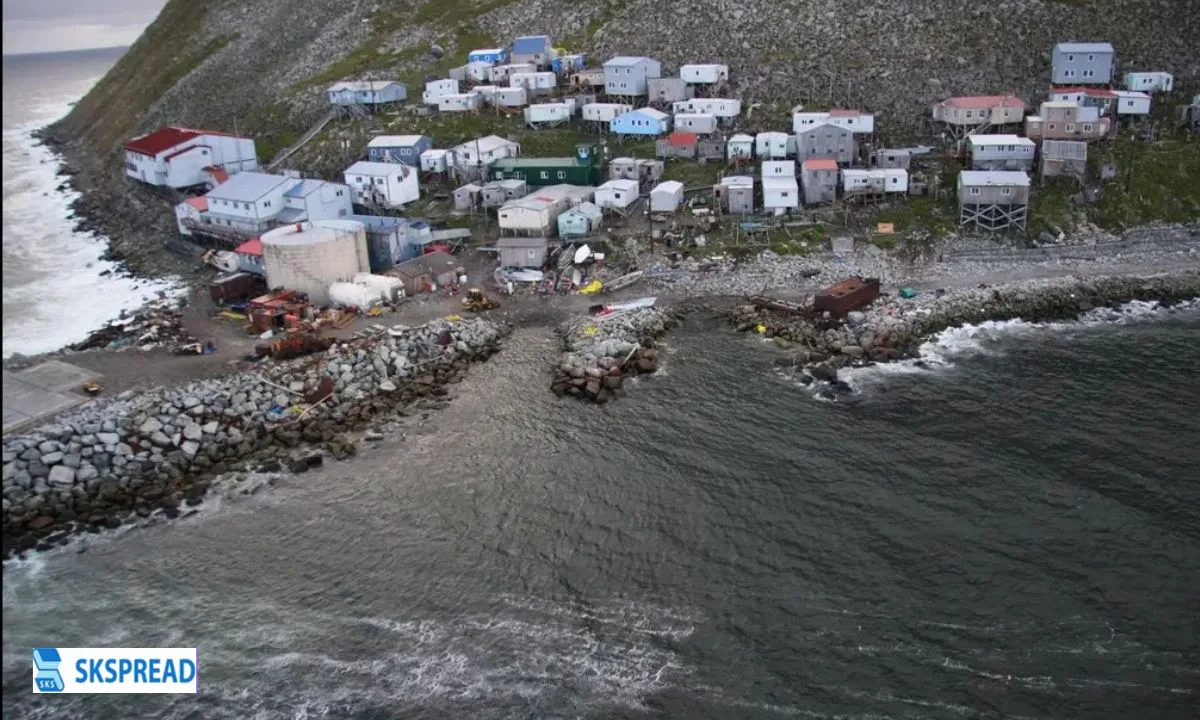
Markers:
{"x": 740, "y": 147}
{"x": 467, "y": 197}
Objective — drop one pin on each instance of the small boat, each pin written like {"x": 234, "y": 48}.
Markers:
{"x": 633, "y": 304}
{"x": 524, "y": 275}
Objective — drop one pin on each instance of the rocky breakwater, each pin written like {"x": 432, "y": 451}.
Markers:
{"x": 138, "y": 455}
{"x": 601, "y": 351}
{"x": 817, "y": 345}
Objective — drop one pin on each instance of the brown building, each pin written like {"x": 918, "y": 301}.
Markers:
{"x": 1062, "y": 120}
{"x": 423, "y": 272}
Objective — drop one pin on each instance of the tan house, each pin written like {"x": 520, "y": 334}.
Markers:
{"x": 975, "y": 110}
{"x": 1061, "y": 120}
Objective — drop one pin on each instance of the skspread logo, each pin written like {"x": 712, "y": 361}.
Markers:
{"x": 114, "y": 670}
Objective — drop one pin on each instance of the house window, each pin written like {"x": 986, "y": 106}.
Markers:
{"x": 544, "y": 175}
{"x": 562, "y": 175}
{"x": 1051, "y": 126}
{"x": 1087, "y": 127}
{"x": 246, "y": 205}
{"x": 974, "y": 191}
{"x": 1006, "y": 191}
{"x": 358, "y": 180}
{"x": 1070, "y": 127}
{"x": 1091, "y": 58}
{"x": 1070, "y": 58}
{"x": 203, "y": 152}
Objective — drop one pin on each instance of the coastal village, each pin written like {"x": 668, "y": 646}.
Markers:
{"x": 397, "y": 221}
{"x": 359, "y": 297}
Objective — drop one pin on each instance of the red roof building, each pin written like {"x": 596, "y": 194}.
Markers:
{"x": 180, "y": 157}
{"x": 253, "y": 246}
{"x": 682, "y": 139}
{"x": 820, "y": 164}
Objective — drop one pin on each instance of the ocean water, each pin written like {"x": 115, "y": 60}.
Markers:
{"x": 54, "y": 293}
{"x": 1011, "y": 531}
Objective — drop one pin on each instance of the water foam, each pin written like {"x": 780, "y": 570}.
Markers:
{"x": 945, "y": 349}
{"x": 60, "y": 295}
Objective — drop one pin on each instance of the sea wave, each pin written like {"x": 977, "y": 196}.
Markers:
{"x": 57, "y": 287}
{"x": 944, "y": 350}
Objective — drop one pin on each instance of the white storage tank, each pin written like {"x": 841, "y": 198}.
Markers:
{"x": 309, "y": 257}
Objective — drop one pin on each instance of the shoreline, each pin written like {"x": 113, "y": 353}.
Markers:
{"x": 108, "y": 462}
{"x": 119, "y": 461}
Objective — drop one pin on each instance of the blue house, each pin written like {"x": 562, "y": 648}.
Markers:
{"x": 1087, "y": 63}
{"x": 495, "y": 56}
{"x": 367, "y": 92}
{"x": 568, "y": 63}
{"x": 646, "y": 121}
{"x": 580, "y": 220}
{"x": 392, "y": 240}
{"x": 404, "y": 149}
{"x": 534, "y": 49}
{"x": 250, "y": 257}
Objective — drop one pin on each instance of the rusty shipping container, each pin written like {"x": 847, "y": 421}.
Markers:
{"x": 853, "y": 293}
{"x": 235, "y": 287}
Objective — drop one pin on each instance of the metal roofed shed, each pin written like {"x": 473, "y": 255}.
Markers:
{"x": 426, "y": 272}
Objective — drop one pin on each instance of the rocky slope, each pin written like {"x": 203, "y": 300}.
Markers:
{"x": 261, "y": 66}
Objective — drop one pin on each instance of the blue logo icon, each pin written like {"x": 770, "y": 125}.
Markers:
{"x": 46, "y": 661}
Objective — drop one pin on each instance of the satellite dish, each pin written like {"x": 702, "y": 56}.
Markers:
{"x": 582, "y": 254}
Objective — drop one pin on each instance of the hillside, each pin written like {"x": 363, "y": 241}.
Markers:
{"x": 261, "y": 67}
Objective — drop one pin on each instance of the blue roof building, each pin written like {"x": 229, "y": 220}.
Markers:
{"x": 495, "y": 56}
{"x": 534, "y": 49}
{"x": 646, "y": 121}
{"x": 404, "y": 149}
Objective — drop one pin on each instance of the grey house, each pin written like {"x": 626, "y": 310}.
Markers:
{"x": 819, "y": 178}
{"x": 993, "y": 199}
{"x": 404, "y": 149}
{"x": 630, "y": 76}
{"x": 1075, "y": 63}
{"x": 826, "y": 140}
{"x": 669, "y": 90}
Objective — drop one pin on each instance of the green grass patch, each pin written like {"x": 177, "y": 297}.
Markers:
{"x": 163, "y": 55}
{"x": 922, "y": 214}
{"x": 691, "y": 173}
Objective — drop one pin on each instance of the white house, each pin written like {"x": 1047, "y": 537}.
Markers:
{"x": 502, "y": 73}
{"x": 721, "y": 108}
{"x": 460, "y": 102}
{"x": 771, "y": 144}
{"x": 478, "y": 71}
{"x": 1149, "y": 81}
{"x": 533, "y": 81}
{"x": 177, "y": 157}
{"x": 537, "y": 214}
{"x": 436, "y": 89}
{"x": 666, "y": 197}
{"x": 875, "y": 180}
{"x": 780, "y": 194}
{"x": 704, "y": 74}
{"x": 510, "y": 97}
{"x": 548, "y": 113}
{"x": 437, "y": 161}
{"x": 617, "y": 194}
{"x": 485, "y": 151}
{"x": 1132, "y": 103}
{"x": 386, "y": 184}
{"x": 855, "y": 121}
{"x": 778, "y": 168}
{"x": 311, "y": 199}
{"x": 740, "y": 147}
{"x": 604, "y": 112}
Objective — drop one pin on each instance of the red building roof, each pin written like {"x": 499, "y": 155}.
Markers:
{"x": 845, "y": 113}
{"x": 166, "y": 138}
{"x": 821, "y": 164}
{"x": 253, "y": 246}
{"x": 984, "y": 101}
{"x": 161, "y": 140}
{"x": 200, "y": 203}
{"x": 218, "y": 173}
{"x": 681, "y": 139}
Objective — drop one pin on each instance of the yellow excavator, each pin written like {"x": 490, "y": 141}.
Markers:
{"x": 476, "y": 301}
